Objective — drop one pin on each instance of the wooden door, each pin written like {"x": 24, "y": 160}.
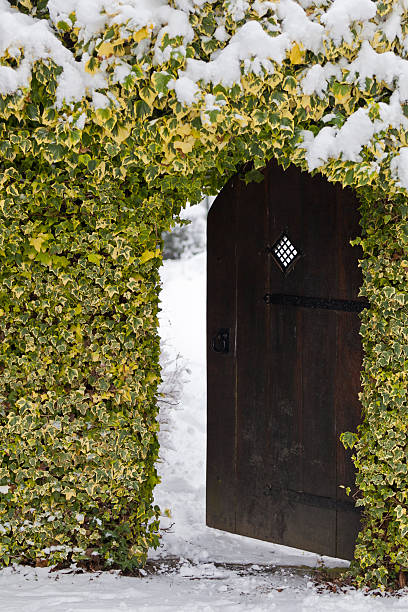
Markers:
{"x": 284, "y": 359}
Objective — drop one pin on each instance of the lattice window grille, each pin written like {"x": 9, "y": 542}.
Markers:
{"x": 285, "y": 252}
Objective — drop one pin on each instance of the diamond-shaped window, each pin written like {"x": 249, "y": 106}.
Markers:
{"x": 285, "y": 253}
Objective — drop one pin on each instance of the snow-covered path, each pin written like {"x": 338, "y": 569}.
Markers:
{"x": 195, "y": 581}
{"x": 198, "y": 588}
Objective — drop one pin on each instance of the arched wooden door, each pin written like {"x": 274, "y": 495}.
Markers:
{"x": 284, "y": 359}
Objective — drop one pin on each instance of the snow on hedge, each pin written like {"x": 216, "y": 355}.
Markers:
{"x": 265, "y": 34}
{"x": 304, "y": 22}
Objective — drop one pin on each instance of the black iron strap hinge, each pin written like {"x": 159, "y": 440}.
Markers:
{"x": 308, "y": 499}
{"x": 312, "y": 302}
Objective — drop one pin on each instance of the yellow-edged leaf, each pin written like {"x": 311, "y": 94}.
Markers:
{"x": 106, "y": 48}
{"x": 185, "y": 145}
{"x": 141, "y": 34}
{"x": 147, "y": 255}
{"x": 296, "y": 54}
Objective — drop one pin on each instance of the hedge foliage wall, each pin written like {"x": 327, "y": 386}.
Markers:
{"x": 112, "y": 116}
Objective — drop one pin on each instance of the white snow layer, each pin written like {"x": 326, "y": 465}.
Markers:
{"x": 399, "y": 166}
{"x": 196, "y": 582}
{"x": 356, "y": 132}
{"x": 19, "y": 32}
{"x": 343, "y": 13}
{"x": 256, "y": 46}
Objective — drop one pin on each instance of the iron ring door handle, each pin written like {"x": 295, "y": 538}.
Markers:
{"x": 220, "y": 342}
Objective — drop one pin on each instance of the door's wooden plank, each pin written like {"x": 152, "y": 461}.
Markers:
{"x": 348, "y": 274}
{"x": 348, "y": 416}
{"x": 221, "y": 370}
{"x": 319, "y": 434}
{"x": 284, "y": 193}
{"x": 283, "y": 445}
{"x": 348, "y": 365}
{"x": 253, "y": 381}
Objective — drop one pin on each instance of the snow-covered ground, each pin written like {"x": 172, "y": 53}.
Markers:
{"x": 196, "y": 568}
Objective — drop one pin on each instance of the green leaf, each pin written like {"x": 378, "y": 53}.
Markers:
{"x": 44, "y": 258}
{"x": 92, "y": 165}
{"x": 32, "y": 112}
{"x": 84, "y": 159}
{"x": 94, "y": 258}
{"x": 71, "y": 374}
{"x": 254, "y": 176}
{"x": 147, "y": 255}
{"x": 63, "y": 25}
{"x": 349, "y": 439}
{"x": 142, "y": 109}
{"x": 39, "y": 241}
{"x": 160, "y": 81}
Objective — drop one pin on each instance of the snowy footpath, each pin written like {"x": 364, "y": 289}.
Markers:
{"x": 196, "y": 568}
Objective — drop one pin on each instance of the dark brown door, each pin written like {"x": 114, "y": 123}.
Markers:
{"x": 284, "y": 359}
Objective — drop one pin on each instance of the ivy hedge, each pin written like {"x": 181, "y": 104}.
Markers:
{"x": 86, "y": 191}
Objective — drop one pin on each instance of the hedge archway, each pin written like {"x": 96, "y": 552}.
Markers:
{"x": 113, "y": 116}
